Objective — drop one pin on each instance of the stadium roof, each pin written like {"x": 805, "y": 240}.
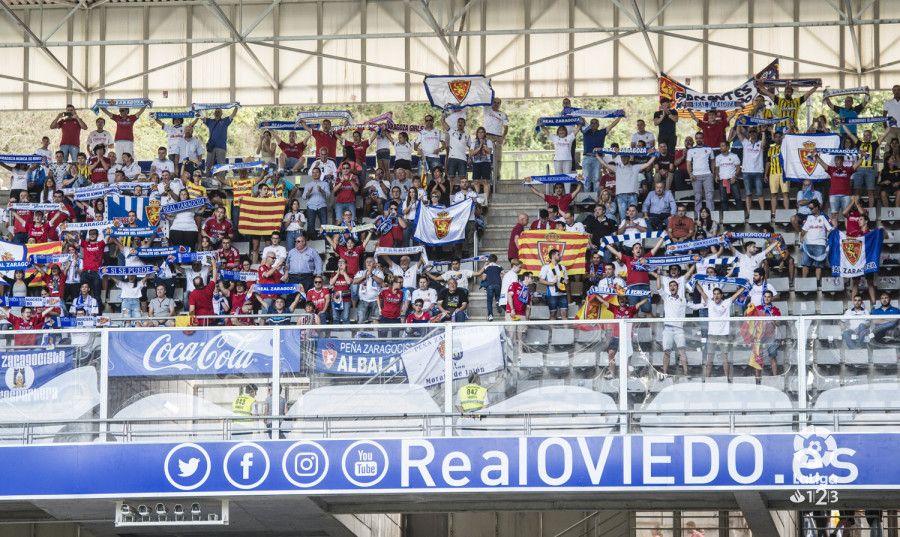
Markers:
{"x": 324, "y": 51}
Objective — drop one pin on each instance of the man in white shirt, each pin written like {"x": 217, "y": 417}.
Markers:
{"x": 759, "y": 286}
{"x": 814, "y": 240}
{"x": 571, "y": 224}
{"x": 426, "y": 294}
{"x": 728, "y": 166}
{"x": 700, "y": 173}
{"x": 628, "y": 180}
{"x": 429, "y": 143}
{"x": 275, "y": 248}
{"x": 458, "y": 142}
{"x": 130, "y": 167}
{"x": 752, "y": 166}
{"x": 192, "y": 151}
{"x": 369, "y": 280}
{"x": 496, "y": 124}
{"x": 556, "y": 278}
{"x": 750, "y": 259}
{"x": 631, "y": 223}
{"x": 510, "y": 276}
{"x": 608, "y": 281}
{"x": 97, "y": 137}
{"x": 643, "y": 135}
{"x": 855, "y": 330}
{"x": 461, "y": 276}
{"x": 892, "y": 109}
{"x": 166, "y": 182}
{"x": 718, "y": 307}
{"x": 162, "y": 163}
{"x": 325, "y": 165}
{"x": 675, "y": 307}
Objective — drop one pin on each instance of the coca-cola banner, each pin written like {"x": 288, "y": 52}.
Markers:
{"x": 177, "y": 353}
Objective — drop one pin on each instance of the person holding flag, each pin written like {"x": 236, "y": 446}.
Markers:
{"x": 618, "y": 311}
{"x": 762, "y": 335}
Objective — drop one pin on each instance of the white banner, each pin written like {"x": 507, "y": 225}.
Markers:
{"x": 476, "y": 349}
{"x": 439, "y": 225}
{"x": 798, "y": 155}
{"x": 459, "y": 91}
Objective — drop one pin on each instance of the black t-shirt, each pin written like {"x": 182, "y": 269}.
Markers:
{"x": 666, "y": 126}
{"x": 493, "y": 274}
{"x": 599, "y": 228}
{"x": 664, "y": 162}
{"x": 451, "y": 301}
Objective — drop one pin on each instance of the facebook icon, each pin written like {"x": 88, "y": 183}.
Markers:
{"x": 246, "y": 465}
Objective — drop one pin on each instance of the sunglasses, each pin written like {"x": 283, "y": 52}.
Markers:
{"x": 318, "y": 281}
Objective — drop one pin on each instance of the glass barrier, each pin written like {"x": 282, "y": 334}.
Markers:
{"x": 355, "y": 374}
{"x": 167, "y": 384}
{"x": 49, "y": 376}
{"x": 853, "y": 364}
{"x": 700, "y": 365}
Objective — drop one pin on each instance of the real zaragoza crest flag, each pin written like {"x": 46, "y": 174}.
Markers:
{"x": 459, "y": 91}
{"x": 437, "y": 225}
{"x": 535, "y": 246}
{"x": 850, "y": 257}
{"x": 798, "y": 155}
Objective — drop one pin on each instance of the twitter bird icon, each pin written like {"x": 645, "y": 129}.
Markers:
{"x": 189, "y": 468}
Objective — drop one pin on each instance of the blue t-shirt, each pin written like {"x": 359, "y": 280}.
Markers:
{"x": 593, "y": 140}
{"x": 493, "y": 275}
{"x": 881, "y": 310}
{"x": 218, "y": 132}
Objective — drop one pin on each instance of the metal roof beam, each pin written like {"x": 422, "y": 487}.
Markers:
{"x": 240, "y": 40}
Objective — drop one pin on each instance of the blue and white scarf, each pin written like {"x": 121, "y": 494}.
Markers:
{"x": 45, "y": 207}
{"x": 275, "y": 288}
{"x": 84, "y": 321}
{"x": 750, "y": 120}
{"x": 557, "y": 121}
{"x": 90, "y": 192}
{"x": 182, "y": 206}
{"x": 134, "y": 232}
{"x": 414, "y": 252}
{"x": 710, "y": 105}
{"x": 475, "y": 259}
{"x": 795, "y": 82}
{"x": 138, "y": 270}
{"x": 838, "y": 151}
{"x": 48, "y": 259}
{"x": 559, "y": 178}
{"x": 384, "y": 225}
{"x": 239, "y": 166}
{"x": 605, "y": 291}
{"x": 238, "y": 276}
{"x": 627, "y": 152}
{"x": 344, "y": 115}
{"x": 846, "y": 91}
{"x": 647, "y": 264}
{"x": 164, "y": 251}
{"x": 865, "y": 120}
{"x": 697, "y": 244}
{"x": 28, "y": 301}
{"x": 13, "y": 265}
{"x": 328, "y": 229}
{"x": 625, "y": 237}
{"x": 87, "y": 226}
{"x": 173, "y": 115}
{"x": 22, "y": 159}
{"x": 131, "y": 185}
{"x": 120, "y": 103}
{"x": 721, "y": 280}
{"x": 719, "y": 261}
{"x": 196, "y": 107}
{"x": 280, "y": 125}
{"x": 584, "y": 112}
{"x": 190, "y": 257}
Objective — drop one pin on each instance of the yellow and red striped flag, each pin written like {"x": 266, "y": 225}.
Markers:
{"x": 41, "y": 248}
{"x": 535, "y": 246}
{"x": 260, "y": 216}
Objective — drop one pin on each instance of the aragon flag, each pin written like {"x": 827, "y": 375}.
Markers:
{"x": 535, "y": 246}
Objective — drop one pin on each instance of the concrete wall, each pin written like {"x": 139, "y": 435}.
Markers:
{"x": 42, "y": 530}
{"x": 372, "y": 525}
{"x": 519, "y": 524}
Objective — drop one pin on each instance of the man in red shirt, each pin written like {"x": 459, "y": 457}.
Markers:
{"x": 92, "y": 259}
{"x": 681, "y": 175}
{"x": 839, "y": 191}
{"x": 345, "y": 188}
{"x": 268, "y": 273}
{"x": 200, "y": 300}
{"x": 559, "y": 198}
{"x": 124, "y": 130}
{"x": 291, "y": 157}
{"x": 543, "y": 221}
{"x": 350, "y": 252}
{"x": 37, "y": 229}
{"x": 55, "y": 218}
{"x": 391, "y": 305}
{"x": 619, "y": 312}
{"x": 229, "y": 255}
{"x": 28, "y": 321}
{"x": 325, "y": 138}
{"x": 512, "y": 249}
{"x": 320, "y": 297}
{"x": 216, "y": 227}
{"x": 99, "y": 166}
{"x": 71, "y": 126}
{"x": 713, "y": 125}
{"x": 359, "y": 146}
{"x": 637, "y": 279}
{"x": 391, "y": 236}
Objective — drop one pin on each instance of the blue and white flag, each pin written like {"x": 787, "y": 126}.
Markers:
{"x": 45, "y": 207}
{"x": 163, "y": 251}
{"x": 647, "y": 264}
{"x": 22, "y": 159}
{"x": 798, "y": 156}
{"x": 343, "y": 115}
{"x": 214, "y": 106}
{"x": 557, "y": 121}
{"x": 136, "y": 270}
{"x": 558, "y": 178}
{"x": 454, "y": 92}
{"x": 90, "y": 192}
{"x": 182, "y": 206}
{"x": 190, "y": 257}
{"x": 238, "y": 166}
{"x": 48, "y": 259}
{"x": 117, "y": 207}
{"x": 625, "y": 237}
{"x": 238, "y": 276}
{"x": 585, "y": 113}
{"x": 120, "y": 231}
{"x": 173, "y": 115}
{"x": 83, "y": 321}
{"x": 437, "y": 226}
{"x": 850, "y": 257}
{"x": 87, "y": 226}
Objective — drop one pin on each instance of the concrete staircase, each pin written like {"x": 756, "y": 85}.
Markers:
{"x": 510, "y": 199}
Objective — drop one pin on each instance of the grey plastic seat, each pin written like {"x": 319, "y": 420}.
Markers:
{"x": 833, "y": 285}
{"x": 531, "y": 360}
{"x": 717, "y": 396}
{"x": 827, "y": 357}
{"x": 872, "y": 396}
{"x": 733, "y": 218}
{"x": 562, "y": 336}
{"x": 557, "y": 360}
{"x": 803, "y": 307}
{"x": 884, "y": 357}
{"x": 584, "y": 360}
{"x": 806, "y": 285}
{"x": 783, "y": 216}
{"x": 856, "y": 357}
{"x": 540, "y": 312}
{"x": 537, "y": 337}
{"x": 832, "y": 307}
{"x": 887, "y": 283}
{"x": 758, "y": 217}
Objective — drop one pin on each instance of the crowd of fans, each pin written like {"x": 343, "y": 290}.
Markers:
{"x": 338, "y": 279}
